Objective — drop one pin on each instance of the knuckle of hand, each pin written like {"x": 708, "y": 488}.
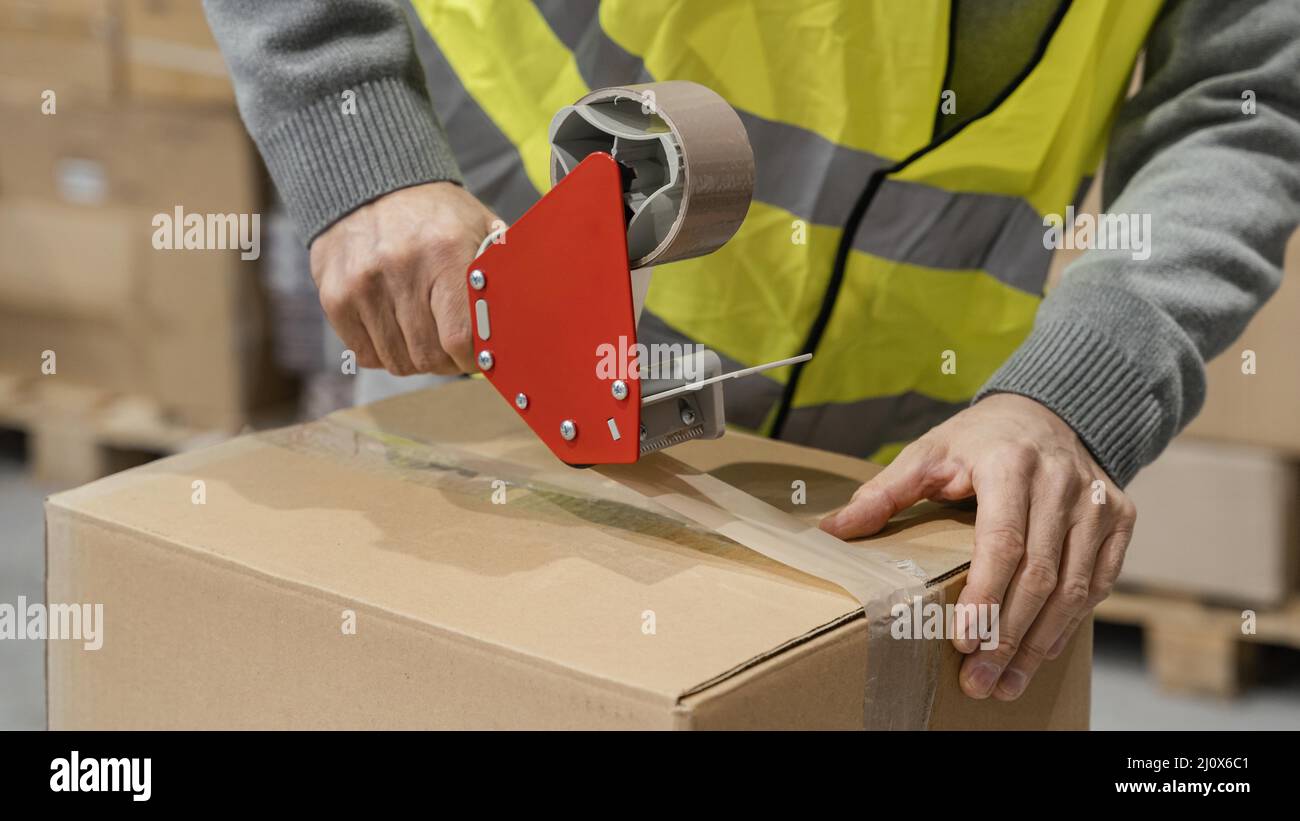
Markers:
{"x": 870, "y": 493}
{"x": 1100, "y": 591}
{"x": 457, "y": 341}
{"x": 1061, "y": 455}
{"x": 1008, "y": 646}
{"x": 1005, "y": 540}
{"x": 1040, "y": 576}
{"x": 924, "y": 449}
{"x": 445, "y": 244}
{"x": 1021, "y": 459}
{"x": 334, "y": 302}
{"x": 1119, "y": 503}
{"x": 1033, "y": 651}
{"x": 442, "y": 364}
{"x": 424, "y": 360}
{"x": 1074, "y": 592}
{"x": 364, "y": 282}
{"x": 1098, "y": 594}
{"x": 393, "y": 253}
{"x": 1066, "y": 480}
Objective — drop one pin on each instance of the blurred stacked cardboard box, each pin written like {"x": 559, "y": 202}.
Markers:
{"x": 1217, "y": 521}
{"x": 114, "y": 112}
{"x": 108, "y": 50}
{"x": 168, "y": 53}
{"x": 69, "y": 46}
{"x": 1256, "y": 400}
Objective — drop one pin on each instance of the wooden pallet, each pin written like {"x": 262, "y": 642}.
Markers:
{"x": 75, "y": 434}
{"x": 1194, "y": 647}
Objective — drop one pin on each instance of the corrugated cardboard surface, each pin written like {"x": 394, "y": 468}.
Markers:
{"x": 470, "y": 613}
{"x": 1219, "y": 521}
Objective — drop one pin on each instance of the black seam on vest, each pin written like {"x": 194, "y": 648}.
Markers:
{"x": 854, "y": 221}
{"x": 947, "y": 69}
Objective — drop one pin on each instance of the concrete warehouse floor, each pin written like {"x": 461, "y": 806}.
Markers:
{"x": 1123, "y": 696}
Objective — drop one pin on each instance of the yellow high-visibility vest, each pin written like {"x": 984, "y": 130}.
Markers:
{"x": 911, "y": 262}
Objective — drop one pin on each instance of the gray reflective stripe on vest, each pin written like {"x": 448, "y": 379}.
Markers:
{"x": 861, "y": 428}
{"x": 601, "y": 61}
{"x": 854, "y": 428}
{"x": 909, "y": 222}
{"x": 923, "y": 225}
{"x": 489, "y": 162}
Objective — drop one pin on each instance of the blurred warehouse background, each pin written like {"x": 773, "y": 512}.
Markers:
{"x": 113, "y": 353}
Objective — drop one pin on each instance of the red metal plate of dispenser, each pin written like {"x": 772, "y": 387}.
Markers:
{"x": 558, "y": 320}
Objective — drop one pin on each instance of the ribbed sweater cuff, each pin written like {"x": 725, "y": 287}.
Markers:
{"x": 326, "y": 163}
{"x": 1074, "y": 370}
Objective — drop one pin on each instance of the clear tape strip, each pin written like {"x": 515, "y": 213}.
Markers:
{"x": 901, "y": 674}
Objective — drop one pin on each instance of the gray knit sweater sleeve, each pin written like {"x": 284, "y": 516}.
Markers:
{"x": 335, "y": 98}
{"x": 1118, "y": 348}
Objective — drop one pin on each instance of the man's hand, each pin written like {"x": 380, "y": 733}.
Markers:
{"x": 391, "y": 277}
{"x": 1046, "y": 549}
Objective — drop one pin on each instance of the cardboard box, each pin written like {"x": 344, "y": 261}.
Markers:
{"x": 73, "y": 262}
{"x": 148, "y": 157}
{"x": 1260, "y": 408}
{"x": 79, "y": 192}
{"x": 169, "y": 54}
{"x": 89, "y": 352}
{"x": 65, "y": 46}
{"x": 356, "y": 572}
{"x": 102, "y": 51}
{"x": 69, "y": 18}
{"x": 1218, "y": 521}
{"x": 185, "y": 329}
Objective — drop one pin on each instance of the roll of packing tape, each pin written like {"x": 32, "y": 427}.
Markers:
{"x": 688, "y": 168}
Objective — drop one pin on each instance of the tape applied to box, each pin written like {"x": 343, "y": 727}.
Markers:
{"x": 901, "y": 674}
{"x": 898, "y": 671}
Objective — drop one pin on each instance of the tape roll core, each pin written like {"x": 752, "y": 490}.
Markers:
{"x": 688, "y": 165}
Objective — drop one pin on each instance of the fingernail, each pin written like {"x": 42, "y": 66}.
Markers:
{"x": 982, "y": 678}
{"x": 828, "y": 521}
{"x": 1013, "y": 683}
